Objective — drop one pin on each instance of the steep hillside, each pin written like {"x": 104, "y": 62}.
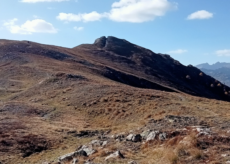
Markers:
{"x": 161, "y": 69}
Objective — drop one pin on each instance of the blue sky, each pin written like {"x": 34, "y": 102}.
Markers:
{"x": 191, "y": 31}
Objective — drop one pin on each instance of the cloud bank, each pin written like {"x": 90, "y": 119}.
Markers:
{"x": 134, "y": 11}
{"x": 202, "y": 14}
{"x": 30, "y": 27}
{"x": 86, "y": 17}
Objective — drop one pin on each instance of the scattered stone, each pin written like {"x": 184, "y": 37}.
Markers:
{"x": 202, "y": 130}
{"x": 132, "y": 162}
{"x": 120, "y": 137}
{"x": 88, "y": 150}
{"x": 134, "y": 138}
{"x": 66, "y": 157}
{"x": 117, "y": 154}
{"x": 104, "y": 143}
{"x": 129, "y": 137}
{"x": 162, "y": 136}
{"x": 80, "y": 153}
{"x": 152, "y": 136}
{"x": 96, "y": 143}
{"x": 145, "y": 134}
{"x": 137, "y": 138}
{"x": 75, "y": 161}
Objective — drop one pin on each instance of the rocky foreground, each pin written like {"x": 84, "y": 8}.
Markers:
{"x": 190, "y": 141}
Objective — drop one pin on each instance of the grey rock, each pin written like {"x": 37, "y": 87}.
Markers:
{"x": 116, "y": 154}
{"x": 162, "y": 136}
{"x": 66, "y": 157}
{"x": 137, "y": 138}
{"x": 134, "y": 138}
{"x": 152, "y": 135}
{"x": 120, "y": 136}
{"x": 88, "y": 149}
{"x": 96, "y": 143}
{"x": 104, "y": 143}
{"x": 145, "y": 134}
{"x": 132, "y": 162}
{"x": 129, "y": 137}
{"x": 202, "y": 130}
{"x": 75, "y": 161}
{"x": 80, "y": 153}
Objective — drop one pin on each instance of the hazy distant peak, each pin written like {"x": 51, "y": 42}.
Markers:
{"x": 214, "y": 66}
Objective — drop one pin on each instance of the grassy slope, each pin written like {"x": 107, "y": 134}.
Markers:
{"x": 39, "y": 102}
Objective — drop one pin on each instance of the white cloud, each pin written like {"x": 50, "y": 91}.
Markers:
{"x": 86, "y": 17}
{"x": 78, "y": 28}
{"x": 225, "y": 52}
{"x": 30, "y": 27}
{"x": 36, "y": 1}
{"x": 137, "y": 11}
{"x": 178, "y": 51}
{"x": 202, "y": 14}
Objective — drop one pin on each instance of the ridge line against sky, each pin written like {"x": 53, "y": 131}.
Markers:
{"x": 130, "y": 16}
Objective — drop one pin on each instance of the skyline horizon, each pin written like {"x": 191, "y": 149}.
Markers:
{"x": 190, "y": 33}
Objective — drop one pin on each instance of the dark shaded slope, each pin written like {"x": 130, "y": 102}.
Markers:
{"x": 156, "y": 68}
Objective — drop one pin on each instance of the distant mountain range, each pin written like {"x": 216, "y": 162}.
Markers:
{"x": 220, "y": 71}
{"x": 213, "y": 66}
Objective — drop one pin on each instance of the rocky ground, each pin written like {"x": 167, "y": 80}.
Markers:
{"x": 173, "y": 139}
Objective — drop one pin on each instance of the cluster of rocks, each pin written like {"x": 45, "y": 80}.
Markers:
{"x": 82, "y": 151}
{"x": 140, "y": 136}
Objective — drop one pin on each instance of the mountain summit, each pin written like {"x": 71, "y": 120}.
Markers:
{"x": 124, "y": 60}
{"x": 120, "y": 61}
